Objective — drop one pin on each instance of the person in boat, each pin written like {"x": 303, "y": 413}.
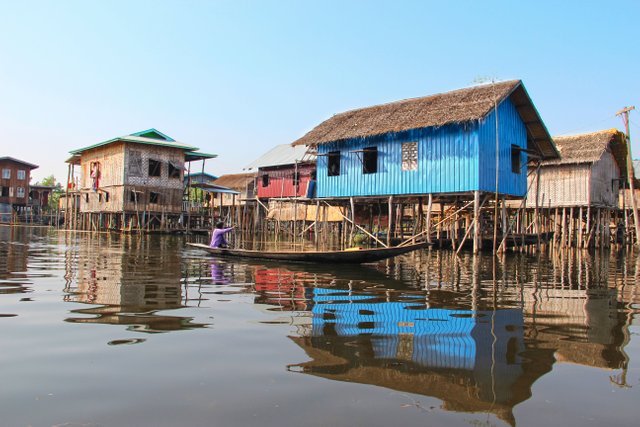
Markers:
{"x": 218, "y": 239}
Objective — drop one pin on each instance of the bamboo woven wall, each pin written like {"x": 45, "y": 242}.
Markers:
{"x": 560, "y": 186}
{"x": 124, "y": 169}
{"x": 605, "y": 176}
{"x": 111, "y": 159}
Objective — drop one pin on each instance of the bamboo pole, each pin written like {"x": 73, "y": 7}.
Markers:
{"x": 476, "y": 223}
{"x": 390, "y": 221}
{"x": 429, "y": 209}
{"x": 360, "y": 228}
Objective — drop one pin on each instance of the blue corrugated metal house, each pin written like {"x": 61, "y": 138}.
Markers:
{"x": 439, "y": 144}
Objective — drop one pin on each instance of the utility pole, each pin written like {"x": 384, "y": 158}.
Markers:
{"x": 624, "y": 113}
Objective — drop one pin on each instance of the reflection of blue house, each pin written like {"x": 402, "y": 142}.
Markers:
{"x": 439, "y": 338}
{"x": 444, "y": 143}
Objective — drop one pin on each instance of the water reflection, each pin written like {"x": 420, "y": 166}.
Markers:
{"x": 14, "y": 250}
{"x": 127, "y": 280}
{"x": 474, "y": 334}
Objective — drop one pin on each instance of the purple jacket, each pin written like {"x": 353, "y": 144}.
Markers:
{"x": 217, "y": 238}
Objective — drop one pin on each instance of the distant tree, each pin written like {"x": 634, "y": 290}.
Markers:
{"x": 49, "y": 181}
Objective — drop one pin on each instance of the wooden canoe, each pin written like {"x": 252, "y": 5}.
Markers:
{"x": 334, "y": 257}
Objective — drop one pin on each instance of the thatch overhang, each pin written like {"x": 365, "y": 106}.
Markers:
{"x": 459, "y": 106}
{"x": 589, "y": 148}
{"x": 236, "y": 181}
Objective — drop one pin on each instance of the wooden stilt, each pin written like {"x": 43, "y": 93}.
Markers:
{"x": 476, "y": 222}
{"x": 390, "y": 221}
{"x": 429, "y": 208}
{"x": 571, "y": 226}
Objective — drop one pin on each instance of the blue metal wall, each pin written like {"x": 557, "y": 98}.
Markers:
{"x": 512, "y": 131}
{"x": 449, "y": 160}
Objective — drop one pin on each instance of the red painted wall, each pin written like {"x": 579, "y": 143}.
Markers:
{"x": 281, "y": 181}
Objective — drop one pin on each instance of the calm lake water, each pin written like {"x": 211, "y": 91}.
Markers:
{"x": 108, "y": 330}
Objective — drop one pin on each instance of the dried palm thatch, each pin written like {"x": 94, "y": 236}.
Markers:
{"x": 236, "y": 181}
{"x": 459, "y": 106}
{"x": 589, "y": 148}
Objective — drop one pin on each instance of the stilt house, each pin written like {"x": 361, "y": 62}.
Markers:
{"x": 284, "y": 171}
{"x": 577, "y": 194}
{"x": 16, "y": 174}
{"x": 138, "y": 175}
{"x": 589, "y": 172}
{"x": 441, "y": 144}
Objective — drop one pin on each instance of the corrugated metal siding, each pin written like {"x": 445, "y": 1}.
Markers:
{"x": 603, "y": 174}
{"x": 512, "y": 131}
{"x": 447, "y": 163}
{"x": 281, "y": 181}
{"x": 560, "y": 186}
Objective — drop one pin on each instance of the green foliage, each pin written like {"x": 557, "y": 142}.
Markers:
{"x": 54, "y": 197}
{"x": 48, "y": 181}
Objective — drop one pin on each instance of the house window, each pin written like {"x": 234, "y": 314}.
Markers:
{"x": 135, "y": 163}
{"x": 99, "y": 197}
{"x": 410, "y": 156}
{"x": 10, "y": 191}
{"x": 296, "y": 178}
{"x": 106, "y": 197}
{"x": 174, "y": 172}
{"x": 265, "y": 180}
{"x": 6, "y": 173}
{"x": 333, "y": 163}
{"x": 155, "y": 168}
{"x": 515, "y": 159}
{"x": 370, "y": 160}
{"x": 21, "y": 174}
{"x": 5, "y": 191}
{"x": 133, "y": 197}
{"x": 20, "y": 193}
{"x": 154, "y": 197}
{"x": 86, "y": 197}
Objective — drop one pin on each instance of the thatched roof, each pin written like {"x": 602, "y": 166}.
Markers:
{"x": 235, "y": 181}
{"x": 459, "y": 106}
{"x": 589, "y": 148}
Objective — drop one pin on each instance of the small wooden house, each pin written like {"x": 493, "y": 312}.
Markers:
{"x": 579, "y": 191}
{"x": 14, "y": 183}
{"x": 589, "y": 172}
{"x": 284, "y": 172}
{"x": 439, "y": 144}
{"x": 139, "y": 176}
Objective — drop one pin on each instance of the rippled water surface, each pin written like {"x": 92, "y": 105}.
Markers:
{"x": 109, "y": 330}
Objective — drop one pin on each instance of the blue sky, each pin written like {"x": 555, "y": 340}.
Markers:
{"x": 236, "y": 77}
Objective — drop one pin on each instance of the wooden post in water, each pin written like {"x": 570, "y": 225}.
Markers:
{"x": 476, "y": 223}
{"x": 580, "y": 228}
{"x": 624, "y": 113}
{"x": 390, "y": 221}
{"x": 564, "y": 227}
{"x": 429, "y": 208}
{"x": 353, "y": 220}
{"x": 571, "y": 225}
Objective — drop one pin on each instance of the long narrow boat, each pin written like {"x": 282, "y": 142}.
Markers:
{"x": 356, "y": 256}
